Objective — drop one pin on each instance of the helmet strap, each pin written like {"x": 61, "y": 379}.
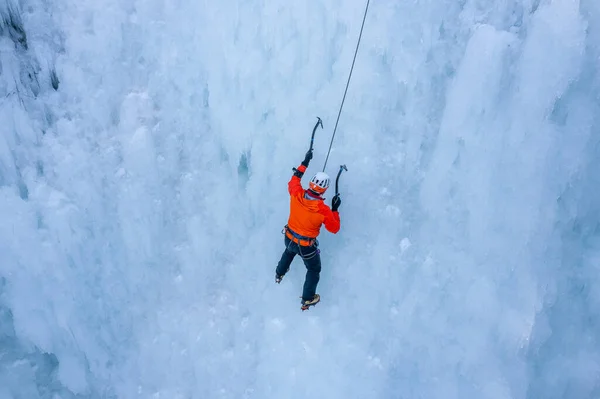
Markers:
{"x": 313, "y": 194}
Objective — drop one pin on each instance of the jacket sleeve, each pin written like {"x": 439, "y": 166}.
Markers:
{"x": 332, "y": 219}
{"x": 295, "y": 186}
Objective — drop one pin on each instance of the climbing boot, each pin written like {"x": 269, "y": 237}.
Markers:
{"x": 308, "y": 303}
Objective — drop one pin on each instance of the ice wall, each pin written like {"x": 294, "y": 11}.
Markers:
{"x": 145, "y": 148}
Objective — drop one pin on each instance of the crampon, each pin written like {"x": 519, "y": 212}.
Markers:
{"x": 308, "y": 304}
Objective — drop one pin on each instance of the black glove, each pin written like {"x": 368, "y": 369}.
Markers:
{"x": 307, "y": 158}
{"x": 336, "y": 202}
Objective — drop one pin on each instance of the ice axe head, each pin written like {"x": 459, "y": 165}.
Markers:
{"x": 312, "y": 138}
{"x": 337, "y": 179}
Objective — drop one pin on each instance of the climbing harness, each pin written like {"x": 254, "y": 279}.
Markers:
{"x": 299, "y": 239}
{"x": 347, "y": 84}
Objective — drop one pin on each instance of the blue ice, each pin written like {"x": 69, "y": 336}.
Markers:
{"x": 145, "y": 148}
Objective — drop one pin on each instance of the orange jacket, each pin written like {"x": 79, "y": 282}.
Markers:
{"x": 307, "y": 215}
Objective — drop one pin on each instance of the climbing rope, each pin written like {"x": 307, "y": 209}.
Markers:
{"x": 347, "y": 84}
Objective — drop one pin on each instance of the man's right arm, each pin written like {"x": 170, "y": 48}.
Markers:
{"x": 331, "y": 219}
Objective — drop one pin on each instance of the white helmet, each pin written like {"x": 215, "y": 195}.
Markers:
{"x": 319, "y": 183}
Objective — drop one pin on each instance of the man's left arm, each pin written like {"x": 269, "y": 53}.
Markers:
{"x": 295, "y": 186}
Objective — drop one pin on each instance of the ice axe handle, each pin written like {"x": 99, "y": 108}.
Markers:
{"x": 337, "y": 179}
{"x": 312, "y": 138}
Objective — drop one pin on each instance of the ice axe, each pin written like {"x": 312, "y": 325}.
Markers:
{"x": 312, "y": 138}
{"x": 337, "y": 179}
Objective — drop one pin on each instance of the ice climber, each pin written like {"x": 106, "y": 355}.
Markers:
{"x": 308, "y": 212}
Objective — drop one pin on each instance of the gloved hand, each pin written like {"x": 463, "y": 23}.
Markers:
{"x": 336, "y": 202}
{"x": 307, "y": 158}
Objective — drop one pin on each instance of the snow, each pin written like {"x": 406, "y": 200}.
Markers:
{"x": 141, "y": 202}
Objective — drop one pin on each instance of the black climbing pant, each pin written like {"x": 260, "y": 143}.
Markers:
{"x": 312, "y": 260}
